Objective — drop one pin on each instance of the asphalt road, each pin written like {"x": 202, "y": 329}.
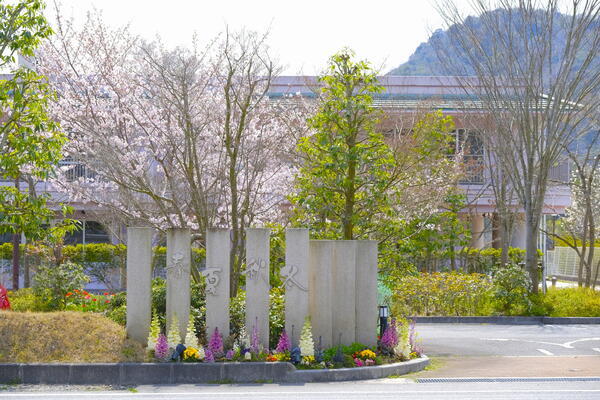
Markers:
{"x": 379, "y": 389}
{"x": 509, "y": 340}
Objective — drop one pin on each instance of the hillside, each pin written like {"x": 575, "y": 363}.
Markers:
{"x": 425, "y": 61}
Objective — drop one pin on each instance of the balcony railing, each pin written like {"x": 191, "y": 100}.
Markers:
{"x": 74, "y": 170}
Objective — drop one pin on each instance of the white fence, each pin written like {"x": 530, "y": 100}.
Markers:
{"x": 564, "y": 261}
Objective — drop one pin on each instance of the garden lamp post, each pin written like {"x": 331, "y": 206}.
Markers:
{"x": 383, "y": 317}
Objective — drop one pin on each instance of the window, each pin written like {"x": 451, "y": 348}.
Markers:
{"x": 470, "y": 143}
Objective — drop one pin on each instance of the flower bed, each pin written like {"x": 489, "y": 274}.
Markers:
{"x": 397, "y": 344}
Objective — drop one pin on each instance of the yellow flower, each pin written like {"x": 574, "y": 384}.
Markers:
{"x": 367, "y": 354}
{"x": 190, "y": 352}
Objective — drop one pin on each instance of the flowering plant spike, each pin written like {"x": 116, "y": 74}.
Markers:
{"x": 215, "y": 344}
{"x": 284, "y": 343}
{"x": 307, "y": 345}
{"x": 191, "y": 340}
{"x": 161, "y": 350}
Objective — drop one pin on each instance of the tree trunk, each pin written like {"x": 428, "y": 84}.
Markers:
{"x": 16, "y": 241}
{"x": 531, "y": 257}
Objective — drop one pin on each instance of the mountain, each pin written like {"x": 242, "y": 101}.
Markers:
{"x": 424, "y": 61}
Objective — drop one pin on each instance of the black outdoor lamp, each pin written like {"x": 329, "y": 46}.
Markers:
{"x": 383, "y": 317}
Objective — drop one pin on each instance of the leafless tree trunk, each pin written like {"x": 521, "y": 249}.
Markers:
{"x": 535, "y": 74}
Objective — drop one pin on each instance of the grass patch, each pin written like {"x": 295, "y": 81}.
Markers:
{"x": 64, "y": 337}
{"x": 221, "y": 382}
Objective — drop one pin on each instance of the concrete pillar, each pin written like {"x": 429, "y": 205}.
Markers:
{"x": 218, "y": 247}
{"x": 477, "y": 231}
{"x": 518, "y": 236}
{"x": 295, "y": 280}
{"x": 321, "y": 255}
{"x": 139, "y": 277}
{"x": 178, "y": 277}
{"x": 257, "y": 282}
{"x": 343, "y": 289}
{"x": 366, "y": 292}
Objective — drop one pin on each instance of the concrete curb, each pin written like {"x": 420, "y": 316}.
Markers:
{"x": 122, "y": 374}
{"x": 508, "y": 320}
{"x": 356, "y": 374}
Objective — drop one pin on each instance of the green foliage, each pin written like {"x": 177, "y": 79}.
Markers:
{"x": 26, "y": 300}
{"x": 511, "y": 288}
{"x": 23, "y": 28}
{"x": 441, "y": 293}
{"x": 427, "y": 243}
{"x": 30, "y": 140}
{"x": 57, "y": 280}
{"x": 571, "y": 302}
{"x": 345, "y": 177}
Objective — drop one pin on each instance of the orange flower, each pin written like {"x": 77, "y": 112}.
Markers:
{"x": 69, "y": 294}
{"x": 83, "y": 305}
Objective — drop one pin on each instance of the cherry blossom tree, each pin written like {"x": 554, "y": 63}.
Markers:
{"x": 172, "y": 137}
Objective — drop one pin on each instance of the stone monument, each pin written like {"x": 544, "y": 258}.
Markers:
{"x": 257, "y": 282}
{"x": 295, "y": 280}
{"x": 179, "y": 253}
{"x": 366, "y": 292}
{"x": 139, "y": 270}
{"x": 218, "y": 246}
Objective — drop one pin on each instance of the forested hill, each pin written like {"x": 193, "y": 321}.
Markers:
{"x": 424, "y": 61}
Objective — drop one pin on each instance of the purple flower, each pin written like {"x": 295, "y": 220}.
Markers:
{"x": 389, "y": 340}
{"x": 283, "y": 344}
{"x": 215, "y": 345}
{"x": 412, "y": 339}
{"x": 161, "y": 349}
{"x": 209, "y": 357}
{"x": 254, "y": 341}
{"x": 229, "y": 355}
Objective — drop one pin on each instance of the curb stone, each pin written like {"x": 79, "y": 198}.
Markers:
{"x": 124, "y": 374}
{"x": 508, "y": 320}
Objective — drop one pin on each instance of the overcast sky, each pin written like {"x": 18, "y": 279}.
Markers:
{"x": 303, "y": 33}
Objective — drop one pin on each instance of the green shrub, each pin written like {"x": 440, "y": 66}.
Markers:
{"x": 26, "y": 300}
{"x": 56, "y": 281}
{"x": 442, "y": 293}
{"x": 572, "y": 302}
{"x": 511, "y": 290}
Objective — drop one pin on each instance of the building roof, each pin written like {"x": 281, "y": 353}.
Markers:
{"x": 447, "y": 93}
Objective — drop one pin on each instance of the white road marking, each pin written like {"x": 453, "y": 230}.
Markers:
{"x": 566, "y": 345}
{"x": 546, "y": 352}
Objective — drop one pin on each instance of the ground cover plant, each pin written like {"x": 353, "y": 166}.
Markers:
{"x": 64, "y": 337}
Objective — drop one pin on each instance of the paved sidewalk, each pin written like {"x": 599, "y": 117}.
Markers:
{"x": 507, "y": 366}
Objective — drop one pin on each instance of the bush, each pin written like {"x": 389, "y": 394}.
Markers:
{"x": 442, "y": 293}
{"x": 511, "y": 290}
{"x": 572, "y": 302}
{"x": 26, "y": 300}
{"x": 56, "y": 281}
{"x": 64, "y": 337}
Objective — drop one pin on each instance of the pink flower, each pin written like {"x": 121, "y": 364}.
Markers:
{"x": 369, "y": 362}
{"x": 358, "y": 362}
